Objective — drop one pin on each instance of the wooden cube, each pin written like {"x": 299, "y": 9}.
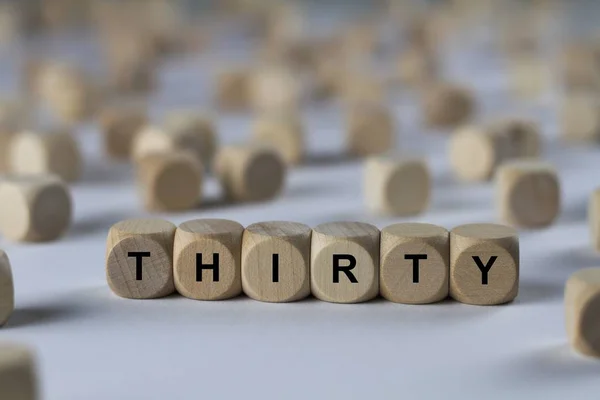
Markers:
{"x": 345, "y": 262}
{"x": 37, "y": 208}
{"x": 18, "y": 376}
{"x": 414, "y": 263}
{"x": 594, "y": 218}
{"x": 579, "y": 68}
{"x": 447, "y": 105}
{"x": 582, "y": 305}
{"x": 207, "y": 259}
{"x": 360, "y": 88}
{"x": 276, "y": 261}
{"x": 370, "y": 130}
{"x": 397, "y": 185}
{"x": 524, "y": 139}
{"x": 275, "y": 89}
{"x": 284, "y": 133}
{"x": 193, "y": 131}
{"x": 417, "y": 68}
{"x": 529, "y": 76}
{"x": 120, "y": 124}
{"x": 7, "y": 289}
{"x": 484, "y": 264}
{"x": 55, "y": 152}
{"x": 580, "y": 118}
{"x": 139, "y": 258}
{"x": 232, "y": 92}
{"x": 170, "y": 181}
{"x": 528, "y": 193}
{"x": 253, "y": 172}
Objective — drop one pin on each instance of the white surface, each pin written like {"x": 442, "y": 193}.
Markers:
{"x": 93, "y": 345}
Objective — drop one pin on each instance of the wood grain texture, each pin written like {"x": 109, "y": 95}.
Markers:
{"x": 154, "y": 236}
{"x": 396, "y": 185}
{"x": 287, "y": 279}
{"x": 36, "y": 208}
{"x": 54, "y": 151}
{"x": 252, "y": 172}
{"x": 170, "y": 181}
{"x": 528, "y": 193}
{"x": 447, "y": 105}
{"x": 482, "y": 242}
{"x": 370, "y": 129}
{"x": 582, "y": 305}
{"x": 208, "y": 237}
{"x": 594, "y": 218}
{"x": 7, "y": 290}
{"x": 356, "y": 239}
{"x": 397, "y": 278}
{"x": 194, "y": 131}
{"x": 285, "y": 133}
{"x": 120, "y": 124}
{"x": 18, "y": 372}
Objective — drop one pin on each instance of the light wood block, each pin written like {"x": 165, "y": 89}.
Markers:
{"x": 580, "y": 118}
{"x": 415, "y": 264}
{"x": 252, "y": 172}
{"x": 7, "y": 289}
{"x": 582, "y": 305}
{"x": 275, "y": 89}
{"x": 528, "y": 193}
{"x": 397, "y": 185}
{"x": 170, "y": 181}
{"x": 371, "y": 129}
{"x": 447, "y": 105}
{"x": 594, "y": 218}
{"x": 35, "y": 208}
{"x": 232, "y": 92}
{"x": 579, "y": 68}
{"x": 529, "y": 76}
{"x": 207, "y": 259}
{"x": 417, "y": 68}
{"x": 484, "y": 264}
{"x": 284, "y": 133}
{"x": 523, "y": 137}
{"x": 193, "y": 131}
{"x": 360, "y": 88}
{"x": 139, "y": 258}
{"x": 276, "y": 261}
{"x": 18, "y": 375}
{"x": 54, "y": 152}
{"x": 120, "y": 124}
{"x": 345, "y": 262}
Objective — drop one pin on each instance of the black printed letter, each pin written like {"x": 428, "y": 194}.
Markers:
{"x": 214, "y": 266}
{"x": 484, "y": 268}
{"x": 138, "y": 262}
{"x": 275, "y": 267}
{"x": 337, "y": 268}
{"x": 415, "y": 258}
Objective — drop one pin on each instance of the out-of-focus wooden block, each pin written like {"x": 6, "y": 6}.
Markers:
{"x": 170, "y": 181}
{"x": 232, "y": 91}
{"x": 275, "y": 89}
{"x": 580, "y": 69}
{"x": 529, "y": 76}
{"x": 139, "y": 258}
{"x": 54, "y": 151}
{"x": 120, "y": 124}
{"x": 594, "y": 218}
{"x": 524, "y": 137}
{"x": 251, "y": 172}
{"x": 276, "y": 261}
{"x": 447, "y": 105}
{"x": 417, "y": 68}
{"x": 396, "y": 185}
{"x": 528, "y": 193}
{"x": 35, "y": 208}
{"x": 345, "y": 262}
{"x": 414, "y": 263}
{"x": 195, "y": 132}
{"x": 18, "y": 375}
{"x": 13, "y": 115}
{"x": 284, "y": 133}
{"x": 580, "y": 118}
{"x": 359, "y": 89}
{"x": 582, "y": 305}
{"x": 484, "y": 264}
{"x": 7, "y": 289}
{"x": 371, "y": 129}
{"x": 207, "y": 259}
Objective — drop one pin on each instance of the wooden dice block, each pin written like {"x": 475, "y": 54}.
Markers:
{"x": 54, "y": 152}
{"x": 580, "y": 118}
{"x": 170, "y": 181}
{"x": 274, "y": 90}
{"x": 207, "y": 259}
{"x": 139, "y": 258}
{"x": 529, "y": 76}
{"x": 484, "y": 264}
{"x": 250, "y": 172}
{"x": 359, "y": 88}
{"x": 345, "y": 262}
{"x": 232, "y": 92}
{"x": 18, "y": 376}
{"x": 7, "y": 290}
{"x": 276, "y": 261}
{"x": 579, "y": 68}
{"x": 284, "y": 133}
{"x": 594, "y": 218}
{"x": 190, "y": 130}
{"x": 582, "y": 305}
{"x": 119, "y": 125}
{"x": 522, "y": 137}
{"x": 528, "y": 193}
{"x": 447, "y": 105}
{"x": 371, "y": 130}
{"x": 36, "y": 208}
{"x": 414, "y": 263}
{"x": 396, "y": 185}
{"x": 417, "y": 68}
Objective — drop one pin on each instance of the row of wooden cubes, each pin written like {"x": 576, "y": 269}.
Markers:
{"x": 340, "y": 262}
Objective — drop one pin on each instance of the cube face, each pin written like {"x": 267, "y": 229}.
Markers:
{"x": 447, "y": 106}
{"x": 370, "y": 130}
{"x": 286, "y": 134}
{"x": 7, "y": 291}
{"x": 17, "y": 373}
{"x": 580, "y": 120}
{"x": 582, "y": 305}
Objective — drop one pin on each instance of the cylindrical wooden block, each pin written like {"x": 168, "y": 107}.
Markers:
{"x": 250, "y": 172}
{"x": 139, "y": 258}
{"x": 528, "y": 193}
{"x": 285, "y": 133}
{"x": 37, "y": 208}
{"x": 414, "y": 263}
{"x": 7, "y": 289}
{"x": 276, "y": 261}
{"x": 119, "y": 127}
{"x": 170, "y": 181}
{"x": 371, "y": 130}
{"x": 54, "y": 152}
{"x": 582, "y": 305}
{"x": 594, "y": 218}
{"x": 345, "y": 262}
{"x": 194, "y": 132}
{"x": 18, "y": 372}
{"x": 484, "y": 264}
{"x": 447, "y": 105}
{"x": 197, "y": 242}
